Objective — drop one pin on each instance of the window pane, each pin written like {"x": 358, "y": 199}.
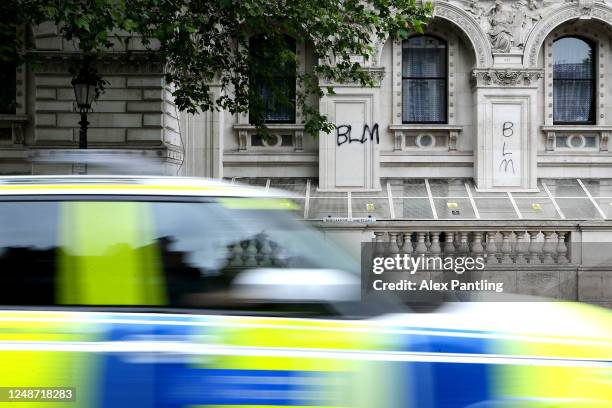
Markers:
{"x": 412, "y": 208}
{"x": 274, "y": 80}
{"x": 424, "y": 100}
{"x": 424, "y": 80}
{"x": 28, "y": 243}
{"x": 424, "y": 57}
{"x": 134, "y": 253}
{"x": 573, "y": 59}
{"x": 454, "y": 208}
{"x": 7, "y": 90}
{"x": 573, "y": 81}
{"x": 278, "y": 99}
{"x": 573, "y": 100}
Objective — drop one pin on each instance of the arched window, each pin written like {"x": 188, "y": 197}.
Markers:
{"x": 574, "y": 81}
{"x": 277, "y": 87}
{"x": 424, "y": 80}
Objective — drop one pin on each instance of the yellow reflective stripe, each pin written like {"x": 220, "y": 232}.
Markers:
{"x": 108, "y": 187}
{"x": 258, "y": 203}
{"x": 108, "y": 256}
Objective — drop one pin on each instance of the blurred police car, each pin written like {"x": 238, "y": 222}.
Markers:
{"x": 170, "y": 292}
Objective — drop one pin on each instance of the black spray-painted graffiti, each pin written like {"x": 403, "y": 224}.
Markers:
{"x": 343, "y": 134}
{"x": 507, "y": 163}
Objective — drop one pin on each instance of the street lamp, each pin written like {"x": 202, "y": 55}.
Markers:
{"x": 85, "y": 92}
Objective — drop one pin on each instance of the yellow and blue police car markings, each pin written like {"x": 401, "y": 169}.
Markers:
{"x": 432, "y": 381}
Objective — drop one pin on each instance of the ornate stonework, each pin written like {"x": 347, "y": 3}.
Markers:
{"x": 558, "y": 13}
{"x": 506, "y": 23}
{"x": 511, "y": 26}
{"x": 507, "y": 77}
{"x": 466, "y": 22}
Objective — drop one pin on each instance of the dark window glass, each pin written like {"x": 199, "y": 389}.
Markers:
{"x": 28, "y": 244}
{"x": 424, "y": 76}
{"x": 273, "y": 79}
{"x": 136, "y": 253}
{"x": 574, "y": 81}
{"x": 7, "y": 68}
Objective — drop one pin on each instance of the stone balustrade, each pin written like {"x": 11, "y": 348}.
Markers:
{"x": 521, "y": 247}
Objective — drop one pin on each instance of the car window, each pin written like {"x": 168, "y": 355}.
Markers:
{"x": 149, "y": 253}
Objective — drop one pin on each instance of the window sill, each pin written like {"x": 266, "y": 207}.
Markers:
{"x": 577, "y": 128}
{"x": 271, "y": 126}
{"x": 426, "y": 126}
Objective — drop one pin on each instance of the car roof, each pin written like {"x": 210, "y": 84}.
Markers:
{"x": 130, "y": 185}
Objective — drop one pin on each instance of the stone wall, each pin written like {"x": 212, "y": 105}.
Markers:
{"x": 135, "y": 111}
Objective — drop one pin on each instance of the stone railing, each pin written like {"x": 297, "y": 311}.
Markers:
{"x": 522, "y": 247}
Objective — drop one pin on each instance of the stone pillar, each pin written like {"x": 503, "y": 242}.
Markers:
{"x": 348, "y": 156}
{"x": 506, "y": 140}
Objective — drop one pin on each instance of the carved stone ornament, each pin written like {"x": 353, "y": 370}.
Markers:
{"x": 465, "y": 21}
{"x": 507, "y": 77}
{"x": 500, "y": 32}
{"x": 585, "y": 8}
{"x": 556, "y": 13}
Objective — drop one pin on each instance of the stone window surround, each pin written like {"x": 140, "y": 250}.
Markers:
{"x": 243, "y": 118}
{"x": 599, "y": 129}
{"x": 244, "y": 129}
{"x": 397, "y": 126}
{"x": 602, "y": 51}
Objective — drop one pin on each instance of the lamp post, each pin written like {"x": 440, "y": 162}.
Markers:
{"x": 85, "y": 92}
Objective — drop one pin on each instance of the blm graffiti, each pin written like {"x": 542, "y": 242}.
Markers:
{"x": 507, "y": 162}
{"x": 344, "y": 134}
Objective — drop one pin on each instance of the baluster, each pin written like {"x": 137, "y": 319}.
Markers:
{"x": 491, "y": 248}
{"x": 477, "y": 248}
{"x": 407, "y": 243}
{"x": 236, "y": 255}
{"x": 457, "y": 241}
{"x": 265, "y": 252}
{"x": 561, "y": 248}
{"x": 379, "y": 243}
{"x": 393, "y": 245}
{"x": 449, "y": 246}
{"x": 521, "y": 247}
{"x": 549, "y": 248}
{"x": 435, "y": 248}
{"x": 464, "y": 247}
{"x": 506, "y": 248}
{"x": 534, "y": 251}
{"x": 421, "y": 248}
{"x": 250, "y": 253}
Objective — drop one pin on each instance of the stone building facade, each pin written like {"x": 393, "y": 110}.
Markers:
{"x": 136, "y": 111}
{"x": 498, "y": 71}
{"x": 488, "y": 134}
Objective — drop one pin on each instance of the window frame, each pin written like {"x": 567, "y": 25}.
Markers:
{"x": 445, "y": 78}
{"x": 593, "y": 110}
{"x": 293, "y": 116}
